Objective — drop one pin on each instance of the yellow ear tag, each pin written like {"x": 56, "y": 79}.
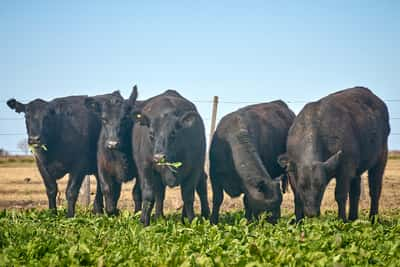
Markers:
{"x": 138, "y": 116}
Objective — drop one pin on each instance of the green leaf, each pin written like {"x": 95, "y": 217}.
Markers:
{"x": 176, "y": 165}
{"x": 34, "y": 147}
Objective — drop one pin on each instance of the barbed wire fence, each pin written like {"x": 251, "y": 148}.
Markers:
{"x": 215, "y": 101}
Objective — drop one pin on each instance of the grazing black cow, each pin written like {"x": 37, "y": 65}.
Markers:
{"x": 243, "y": 157}
{"x": 341, "y": 135}
{"x": 64, "y": 135}
{"x": 114, "y": 151}
{"x": 170, "y": 130}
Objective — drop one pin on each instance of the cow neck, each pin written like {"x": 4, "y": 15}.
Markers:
{"x": 120, "y": 156}
{"x": 56, "y": 142}
{"x": 250, "y": 168}
{"x": 246, "y": 157}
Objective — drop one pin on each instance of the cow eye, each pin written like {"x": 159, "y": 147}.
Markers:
{"x": 151, "y": 136}
{"x": 126, "y": 119}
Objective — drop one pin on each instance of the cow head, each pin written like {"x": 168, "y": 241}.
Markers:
{"x": 114, "y": 113}
{"x": 165, "y": 134}
{"x": 309, "y": 180}
{"x": 40, "y": 118}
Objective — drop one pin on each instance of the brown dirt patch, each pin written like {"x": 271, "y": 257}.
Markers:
{"x": 15, "y": 192}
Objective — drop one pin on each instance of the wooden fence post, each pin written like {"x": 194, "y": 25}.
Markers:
{"x": 85, "y": 191}
{"x": 212, "y": 129}
{"x": 362, "y": 189}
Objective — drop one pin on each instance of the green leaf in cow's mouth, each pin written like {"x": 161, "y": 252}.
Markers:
{"x": 172, "y": 166}
{"x": 176, "y": 165}
{"x": 32, "y": 148}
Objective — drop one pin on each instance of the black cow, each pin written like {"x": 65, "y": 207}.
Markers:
{"x": 243, "y": 156}
{"x": 341, "y": 135}
{"x": 170, "y": 130}
{"x": 64, "y": 135}
{"x": 114, "y": 151}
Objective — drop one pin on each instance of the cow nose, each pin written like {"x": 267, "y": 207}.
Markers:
{"x": 311, "y": 212}
{"x": 158, "y": 157}
{"x": 34, "y": 139}
{"x": 112, "y": 144}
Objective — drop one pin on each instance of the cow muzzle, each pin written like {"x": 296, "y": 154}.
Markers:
{"x": 159, "y": 157}
{"x": 311, "y": 212}
{"x": 34, "y": 140}
{"x": 112, "y": 144}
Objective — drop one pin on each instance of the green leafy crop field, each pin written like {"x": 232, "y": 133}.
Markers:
{"x": 36, "y": 238}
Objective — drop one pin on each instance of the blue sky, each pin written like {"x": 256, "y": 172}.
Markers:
{"x": 242, "y": 51}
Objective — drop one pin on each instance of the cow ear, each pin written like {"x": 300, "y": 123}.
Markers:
{"x": 283, "y": 161}
{"x": 265, "y": 189}
{"x": 188, "y": 119}
{"x": 52, "y": 111}
{"x": 116, "y": 93}
{"x": 284, "y": 179}
{"x": 92, "y": 105}
{"x": 332, "y": 163}
{"x": 141, "y": 118}
{"x": 15, "y": 105}
{"x": 133, "y": 96}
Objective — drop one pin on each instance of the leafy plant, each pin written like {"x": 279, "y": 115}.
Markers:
{"x": 41, "y": 239}
{"x": 174, "y": 165}
{"x": 32, "y": 148}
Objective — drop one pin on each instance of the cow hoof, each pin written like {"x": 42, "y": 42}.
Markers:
{"x": 112, "y": 213}
{"x": 98, "y": 211}
{"x": 272, "y": 220}
{"x": 353, "y": 218}
{"x": 52, "y": 212}
{"x": 374, "y": 219}
{"x": 205, "y": 214}
{"x": 214, "y": 220}
{"x": 159, "y": 216}
{"x": 145, "y": 223}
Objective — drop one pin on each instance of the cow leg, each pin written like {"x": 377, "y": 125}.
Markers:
{"x": 51, "y": 191}
{"x": 201, "y": 189}
{"x": 275, "y": 215}
{"x": 183, "y": 213}
{"x": 187, "y": 192}
{"x": 148, "y": 197}
{"x": 218, "y": 197}
{"x": 137, "y": 196}
{"x": 354, "y": 196}
{"x": 341, "y": 193}
{"x": 375, "y": 177}
{"x": 160, "y": 197}
{"x": 148, "y": 204}
{"x": 107, "y": 187}
{"x": 74, "y": 184}
{"x": 117, "y": 194}
{"x": 98, "y": 205}
{"x": 247, "y": 209}
{"x": 298, "y": 208}
{"x": 51, "y": 188}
